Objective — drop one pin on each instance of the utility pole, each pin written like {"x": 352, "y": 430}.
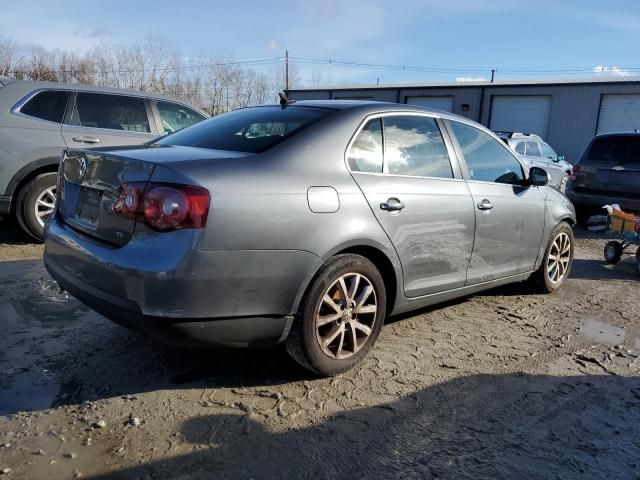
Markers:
{"x": 493, "y": 74}
{"x": 286, "y": 69}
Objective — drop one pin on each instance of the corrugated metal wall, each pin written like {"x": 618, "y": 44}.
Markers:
{"x": 574, "y": 108}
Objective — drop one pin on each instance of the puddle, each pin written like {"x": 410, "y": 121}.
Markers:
{"x": 27, "y": 391}
{"x": 602, "y": 332}
{"x": 34, "y": 313}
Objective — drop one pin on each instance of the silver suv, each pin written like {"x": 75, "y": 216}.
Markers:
{"x": 38, "y": 120}
{"x": 535, "y": 152}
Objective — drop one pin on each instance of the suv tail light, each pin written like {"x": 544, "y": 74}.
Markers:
{"x": 163, "y": 206}
{"x": 574, "y": 173}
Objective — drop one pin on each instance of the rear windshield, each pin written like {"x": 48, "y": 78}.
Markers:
{"x": 620, "y": 149}
{"x": 251, "y": 130}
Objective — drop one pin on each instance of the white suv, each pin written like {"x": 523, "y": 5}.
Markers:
{"x": 537, "y": 153}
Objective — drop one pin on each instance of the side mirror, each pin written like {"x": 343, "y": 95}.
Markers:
{"x": 538, "y": 177}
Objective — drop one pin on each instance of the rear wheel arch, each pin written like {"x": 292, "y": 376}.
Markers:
{"x": 28, "y": 173}
{"x": 372, "y": 253}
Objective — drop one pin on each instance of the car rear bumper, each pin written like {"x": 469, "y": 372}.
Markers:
{"x": 595, "y": 201}
{"x": 168, "y": 290}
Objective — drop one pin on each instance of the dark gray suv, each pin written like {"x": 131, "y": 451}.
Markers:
{"x": 38, "y": 120}
{"x": 607, "y": 172}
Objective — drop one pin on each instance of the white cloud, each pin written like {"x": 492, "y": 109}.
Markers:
{"x": 471, "y": 79}
{"x": 612, "y": 70}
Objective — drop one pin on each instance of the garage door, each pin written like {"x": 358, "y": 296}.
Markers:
{"x": 439, "y": 103}
{"x": 528, "y": 114}
{"x": 619, "y": 113}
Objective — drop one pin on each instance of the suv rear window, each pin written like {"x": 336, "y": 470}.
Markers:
{"x": 620, "y": 149}
{"x": 47, "y": 106}
{"x": 252, "y": 130}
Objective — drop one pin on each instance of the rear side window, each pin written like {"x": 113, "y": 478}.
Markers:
{"x": 365, "y": 154}
{"x": 115, "y": 112}
{"x": 175, "y": 117}
{"x": 615, "y": 149}
{"x": 413, "y": 145}
{"x": 251, "y": 130}
{"x": 47, "y": 106}
{"x": 520, "y": 148}
{"x": 486, "y": 158}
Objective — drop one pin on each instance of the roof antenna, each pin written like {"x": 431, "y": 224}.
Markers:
{"x": 284, "y": 100}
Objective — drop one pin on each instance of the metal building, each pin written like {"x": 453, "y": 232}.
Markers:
{"x": 566, "y": 113}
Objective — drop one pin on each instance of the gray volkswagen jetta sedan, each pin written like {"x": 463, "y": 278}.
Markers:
{"x": 307, "y": 225}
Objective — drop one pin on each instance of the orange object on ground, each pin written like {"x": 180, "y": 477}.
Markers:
{"x": 624, "y": 222}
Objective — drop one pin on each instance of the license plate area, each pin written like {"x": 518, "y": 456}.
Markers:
{"x": 89, "y": 204}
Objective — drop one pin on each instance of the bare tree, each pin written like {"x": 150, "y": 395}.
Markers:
{"x": 7, "y": 56}
{"x": 215, "y": 85}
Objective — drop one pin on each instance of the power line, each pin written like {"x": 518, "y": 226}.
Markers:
{"x": 252, "y": 62}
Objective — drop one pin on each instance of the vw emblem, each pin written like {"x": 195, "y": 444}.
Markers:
{"x": 82, "y": 167}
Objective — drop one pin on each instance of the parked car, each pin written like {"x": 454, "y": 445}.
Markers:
{"x": 310, "y": 233}
{"x": 607, "y": 172}
{"x": 536, "y": 152}
{"x": 40, "y": 119}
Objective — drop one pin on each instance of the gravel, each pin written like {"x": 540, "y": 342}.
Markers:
{"x": 503, "y": 384}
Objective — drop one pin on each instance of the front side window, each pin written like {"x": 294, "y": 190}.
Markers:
{"x": 487, "y": 159}
{"x": 414, "y": 146}
{"x": 533, "y": 150}
{"x": 47, "y": 106}
{"x": 175, "y": 117}
{"x": 548, "y": 152}
{"x": 365, "y": 154}
{"x": 251, "y": 130}
{"x": 115, "y": 112}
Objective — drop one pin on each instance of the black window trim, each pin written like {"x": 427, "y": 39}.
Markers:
{"x": 453, "y": 156}
{"x": 463, "y": 162}
{"x": 17, "y": 108}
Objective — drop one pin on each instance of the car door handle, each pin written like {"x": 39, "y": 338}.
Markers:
{"x": 485, "y": 205}
{"x": 392, "y": 205}
{"x": 85, "y": 139}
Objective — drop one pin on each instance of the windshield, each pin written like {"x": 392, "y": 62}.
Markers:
{"x": 252, "y": 130}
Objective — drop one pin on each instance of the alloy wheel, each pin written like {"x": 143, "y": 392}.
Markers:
{"x": 559, "y": 258}
{"x": 345, "y": 317}
{"x": 45, "y": 203}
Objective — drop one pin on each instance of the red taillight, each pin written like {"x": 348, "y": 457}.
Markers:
{"x": 163, "y": 206}
{"x": 574, "y": 173}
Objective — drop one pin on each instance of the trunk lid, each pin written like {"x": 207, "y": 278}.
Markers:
{"x": 91, "y": 180}
{"x": 88, "y": 189}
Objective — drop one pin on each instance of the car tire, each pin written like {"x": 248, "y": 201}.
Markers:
{"x": 556, "y": 263}
{"x": 612, "y": 252}
{"x": 41, "y": 189}
{"x": 332, "y": 333}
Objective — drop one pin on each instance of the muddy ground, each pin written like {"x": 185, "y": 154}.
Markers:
{"x": 499, "y": 385}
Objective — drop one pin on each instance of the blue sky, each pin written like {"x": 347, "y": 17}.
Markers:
{"x": 471, "y": 36}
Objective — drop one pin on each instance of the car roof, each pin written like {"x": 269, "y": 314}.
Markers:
{"x": 370, "y": 106}
{"x": 28, "y": 86}
{"x": 618, "y": 134}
